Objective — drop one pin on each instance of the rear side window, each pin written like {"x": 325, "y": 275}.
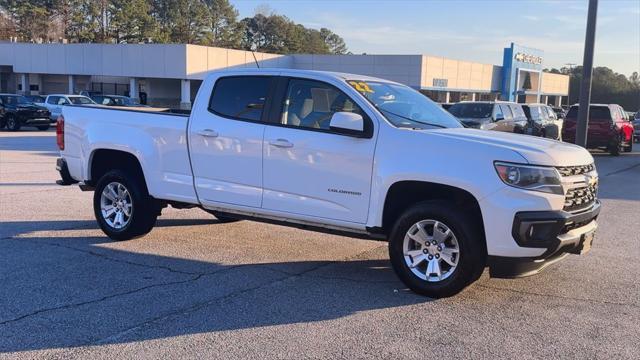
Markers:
{"x": 240, "y": 97}
{"x": 596, "y": 113}
{"x": 506, "y": 111}
{"x": 53, "y": 100}
{"x": 518, "y": 113}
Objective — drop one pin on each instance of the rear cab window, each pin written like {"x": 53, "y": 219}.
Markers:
{"x": 240, "y": 97}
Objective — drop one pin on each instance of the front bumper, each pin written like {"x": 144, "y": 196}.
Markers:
{"x": 37, "y": 121}
{"x": 558, "y": 233}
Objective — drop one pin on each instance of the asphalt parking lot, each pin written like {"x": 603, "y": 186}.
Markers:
{"x": 196, "y": 288}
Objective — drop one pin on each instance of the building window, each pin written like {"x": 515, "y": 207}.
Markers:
{"x": 435, "y": 95}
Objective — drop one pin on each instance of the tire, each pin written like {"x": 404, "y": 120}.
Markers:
{"x": 614, "y": 148}
{"x": 222, "y": 216}
{"x": 629, "y": 147}
{"x": 43, "y": 127}
{"x": 143, "y": 209}
{"x": 470, "y": 258}
{"x": 12, "y": 123}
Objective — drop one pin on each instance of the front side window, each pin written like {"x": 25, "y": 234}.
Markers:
{"x": 404, "y": 106}
{"x": 80, "y": 100}
{"x": 53, "y": 100}
{"x": 517, "y": 111}
{"x": 311, "y": 104}
{"x": 62, "y": 101}
{"x": 240, "y": 97}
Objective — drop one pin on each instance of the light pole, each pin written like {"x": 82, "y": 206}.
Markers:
{"x": 587, "y": 72}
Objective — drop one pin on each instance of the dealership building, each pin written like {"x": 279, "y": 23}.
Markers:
{"x": 170, "y": 74}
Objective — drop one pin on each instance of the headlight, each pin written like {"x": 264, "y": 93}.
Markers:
{"x": 536, "y": 178}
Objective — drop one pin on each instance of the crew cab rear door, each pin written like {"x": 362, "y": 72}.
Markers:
{"x": 309, "y": 169}
{"x": 225, "y": 141}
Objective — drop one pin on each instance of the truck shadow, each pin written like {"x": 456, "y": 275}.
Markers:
{"x": 61, "y": 292}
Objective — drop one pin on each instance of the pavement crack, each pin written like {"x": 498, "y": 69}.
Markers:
{"x": 594, "y": 301}
{"x": 106, "y": 297}
{"x": 622, "y": 170}
{"x": 106, "y": 257}
{"x": 204, "y": 304}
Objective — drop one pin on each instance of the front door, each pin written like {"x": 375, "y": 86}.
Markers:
{"x": 226, "y": 142}
{"x": 310, "y": 170}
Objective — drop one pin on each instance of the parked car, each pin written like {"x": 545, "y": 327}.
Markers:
{"x": 446, "y": 106}
{"x": 559, "y": 112}
{"x": 55, "y": 102}
{"x": 636, "y": 128}
{"x": 35, "y": 99}
{"x": 116, "y": 100}
{"x": 90, "y": 93}
{"x": 490, "y": 115}
{"x": 542, "y": 121}
{"x": 340, "y": 152}
{"x": 16, "y": 111}
{"x": 608, "y": 128}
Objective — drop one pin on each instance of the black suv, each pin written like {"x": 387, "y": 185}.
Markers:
{"x": 16, "y": 111}
{"x": 543, "y": 121}
{"x": 490, "y": 115}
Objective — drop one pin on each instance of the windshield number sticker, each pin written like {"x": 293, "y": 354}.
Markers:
{"x": 361, "y": 86}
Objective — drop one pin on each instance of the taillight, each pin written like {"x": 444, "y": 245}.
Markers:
{"x": 60, "y": 132}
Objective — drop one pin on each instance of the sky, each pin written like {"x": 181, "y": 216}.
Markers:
{"x": 473, "y": 30}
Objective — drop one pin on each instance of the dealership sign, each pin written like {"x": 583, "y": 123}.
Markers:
{"x": 526, "y": 58}
{"x": 440, "y": 82}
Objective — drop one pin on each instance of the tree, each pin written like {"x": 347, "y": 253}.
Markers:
{"x": 335, "y": 43}
{"x": 31, "y": 18}
{"x": 132, "y": 21}
{"x": 224, "y": 28}
{"x": 186, "y": 21}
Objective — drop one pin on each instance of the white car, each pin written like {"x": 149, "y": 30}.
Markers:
{"x": 341, "y": 152}
{"x": 55, "y": 102}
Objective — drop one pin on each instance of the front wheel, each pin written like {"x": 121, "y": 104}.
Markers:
{"x": 123, "y": 207}
{"x": 12, "y": 123}
{"x": 614, "y": 148}
{"x": 437, "y": 250}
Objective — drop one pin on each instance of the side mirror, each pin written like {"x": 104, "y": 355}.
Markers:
{"x": 499, "y": 117}
{"x": 347, "y": 123}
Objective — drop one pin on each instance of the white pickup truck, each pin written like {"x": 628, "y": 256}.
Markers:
{"x": 346, "y": 153}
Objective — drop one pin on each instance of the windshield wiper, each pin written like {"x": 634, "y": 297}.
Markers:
{"x": 410, "y": 119}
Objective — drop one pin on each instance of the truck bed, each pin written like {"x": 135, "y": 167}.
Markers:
{"x": 160, "y": 138}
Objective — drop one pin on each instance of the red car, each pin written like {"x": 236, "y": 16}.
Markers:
{"x": 609, "y": 128}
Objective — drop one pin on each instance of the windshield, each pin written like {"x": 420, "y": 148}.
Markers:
{"x": 472, "y": 110}
{"x": 405, "y": 107}
{"x": 14, "y": 99}
{"x": 80, "y": 100}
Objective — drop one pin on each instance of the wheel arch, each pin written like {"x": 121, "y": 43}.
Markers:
{"x": 103, "y": 160}
{"x": 403, "y": 194}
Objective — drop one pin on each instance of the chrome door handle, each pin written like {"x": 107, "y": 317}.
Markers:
{"x": 208, "y": 133}
{"x": 283, "y": 143}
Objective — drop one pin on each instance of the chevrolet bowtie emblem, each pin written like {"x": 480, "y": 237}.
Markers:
{"x": 591, "y": 180}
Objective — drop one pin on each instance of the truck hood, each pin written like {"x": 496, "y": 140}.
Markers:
{"x": 535, "y": 150}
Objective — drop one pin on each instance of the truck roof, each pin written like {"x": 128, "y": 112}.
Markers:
{"x": 294, "y": 72}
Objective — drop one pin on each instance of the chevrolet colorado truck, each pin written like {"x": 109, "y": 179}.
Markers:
{"x": 340, "y": 153}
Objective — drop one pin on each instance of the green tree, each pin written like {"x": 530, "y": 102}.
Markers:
{"x": 31, "y": 18}
{"x": 224, "y": 28}
{"x": 131, "y": 21}
{"x": 335, "y": 43}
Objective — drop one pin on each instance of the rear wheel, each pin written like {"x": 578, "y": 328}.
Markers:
{"x": 436, "y": 250}
{"x": 614, "y": 148}
{"x": 12, "y": 123}
{"x": 123, "y": 207}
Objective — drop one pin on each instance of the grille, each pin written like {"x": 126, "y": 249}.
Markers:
{"x": 580, "y": 198}
{"x": 574, "y": 170}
